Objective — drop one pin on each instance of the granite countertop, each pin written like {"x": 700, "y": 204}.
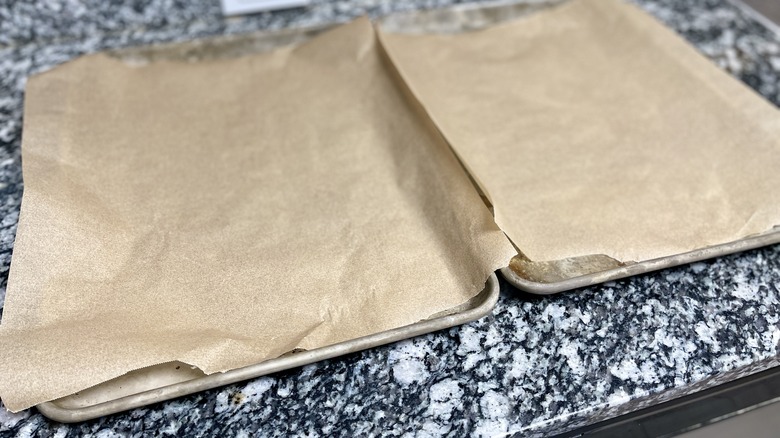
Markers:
{"x": 534, "y": 366}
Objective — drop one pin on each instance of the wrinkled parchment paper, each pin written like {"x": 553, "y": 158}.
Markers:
{"x": 222, "y": 213}
{"x": 593, "y": 129}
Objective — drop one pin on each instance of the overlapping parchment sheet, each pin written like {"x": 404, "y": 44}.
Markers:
{"x": 595, "y": 130}
{"x": 225, "y": 212}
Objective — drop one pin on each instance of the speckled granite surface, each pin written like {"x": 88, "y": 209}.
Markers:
{"x": 534, "y": 367}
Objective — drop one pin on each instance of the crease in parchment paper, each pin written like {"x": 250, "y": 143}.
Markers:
{"x": 224, "y": 212}
{"x": 597, "y": 132}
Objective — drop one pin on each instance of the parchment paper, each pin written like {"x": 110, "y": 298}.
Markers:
{"x": 593, "y": 129}
{"x": 225, "y": 212}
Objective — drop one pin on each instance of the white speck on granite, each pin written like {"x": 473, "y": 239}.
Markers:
{"x": 535, "y": 366}
{"x": 570, "y": 351}
{"x": 407, "y": 362}
{"x": 627, "y": 370}
{"x": 444, "y": 398}
{"x": 746, "y": 290}
{"x": 106, "y": 433}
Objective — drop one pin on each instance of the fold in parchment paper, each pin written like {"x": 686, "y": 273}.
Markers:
{"x": 222, "y": 213}
{"x": 594, "y": 130}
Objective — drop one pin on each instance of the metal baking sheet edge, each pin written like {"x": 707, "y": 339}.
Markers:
{"x": 628, "y": 270}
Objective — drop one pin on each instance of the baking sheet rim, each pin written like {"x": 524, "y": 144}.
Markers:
{"x": 751, "y": 242}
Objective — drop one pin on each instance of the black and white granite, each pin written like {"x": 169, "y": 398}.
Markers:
{"x": 535, "y": 366}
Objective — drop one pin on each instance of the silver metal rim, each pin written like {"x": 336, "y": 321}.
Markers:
{"x": 748, "y": 243}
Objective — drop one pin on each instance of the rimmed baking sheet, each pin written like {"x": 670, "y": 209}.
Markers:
{"x": 174, "y": 379}
{"x": 571, "y": 273}
{"x": 170, "y": 380}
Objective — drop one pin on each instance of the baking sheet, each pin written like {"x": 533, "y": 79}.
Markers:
{"x": 596, "y": 132}
{"x": 173, "y": 211}
{"x": 175, "y": 379}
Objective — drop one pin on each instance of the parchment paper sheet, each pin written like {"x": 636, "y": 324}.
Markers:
{"x": 593, "y": 129}
{"x": 225, "y": 212}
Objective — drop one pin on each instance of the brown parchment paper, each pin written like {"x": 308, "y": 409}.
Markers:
{"x": 221, "y": 213}
{"x": 593, "y": 129}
